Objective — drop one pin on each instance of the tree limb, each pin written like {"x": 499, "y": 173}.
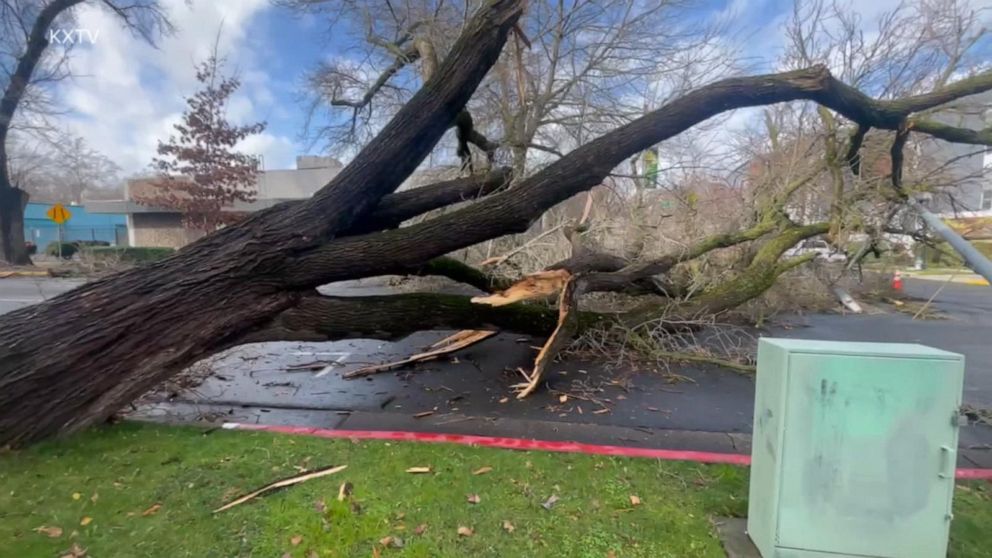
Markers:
{"x": 400, "y": 206}
{"x": 325, "y": 318}
{"x": 586, "y": 166}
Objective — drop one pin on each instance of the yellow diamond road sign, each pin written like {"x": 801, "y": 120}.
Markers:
{"x": 59, "y": 213}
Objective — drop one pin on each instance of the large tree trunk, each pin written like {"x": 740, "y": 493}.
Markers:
{"x": 73, "y": 360}
{"x": 78, "y": 358}
{"x": 12, "y": 204}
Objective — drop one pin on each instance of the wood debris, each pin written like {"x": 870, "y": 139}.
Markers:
{"x": 469, "y": 337}
{"x": 282, "y": 484}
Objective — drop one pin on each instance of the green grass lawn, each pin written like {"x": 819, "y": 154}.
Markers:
{"x": 133, "y": 490}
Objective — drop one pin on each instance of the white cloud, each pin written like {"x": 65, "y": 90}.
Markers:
{"x": 126, "y": 94}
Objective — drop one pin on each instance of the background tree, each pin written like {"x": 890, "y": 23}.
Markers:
{"x": 28, "y": 68}
{"x": 568, "y": 74}
{"x": 80, "y": 170}
{"x": 78, "y": 358}
{"x": 201, "y": 173}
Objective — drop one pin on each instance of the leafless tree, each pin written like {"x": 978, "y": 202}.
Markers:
{"x": 29, "y": 66}
{"x": 569, "y": 72}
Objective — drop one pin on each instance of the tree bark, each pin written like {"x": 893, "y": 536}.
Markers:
{"x": 12, "y": 203}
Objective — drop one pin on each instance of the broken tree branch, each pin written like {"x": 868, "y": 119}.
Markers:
{"x": 297, "y": 479}
{"x": 466, "y": 338}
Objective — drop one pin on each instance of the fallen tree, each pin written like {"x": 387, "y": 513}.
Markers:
{"x": 76, "y": 359}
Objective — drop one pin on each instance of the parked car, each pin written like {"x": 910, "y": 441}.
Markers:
{"x": 820, "y": 247}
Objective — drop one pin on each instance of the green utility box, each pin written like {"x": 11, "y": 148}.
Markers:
{"x": 854, "y": 449}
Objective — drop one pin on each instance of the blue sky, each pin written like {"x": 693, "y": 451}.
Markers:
{"x": 126, "y": 95}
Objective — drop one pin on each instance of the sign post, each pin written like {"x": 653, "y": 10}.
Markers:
{"x": 60, "y": 215}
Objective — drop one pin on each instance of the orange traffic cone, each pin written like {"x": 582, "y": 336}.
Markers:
{"x": 897, "y": 281}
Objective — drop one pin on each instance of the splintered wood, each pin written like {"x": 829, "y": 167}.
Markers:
{"x": 559, "y": 338}
{"x": 282, "y": 484}
{"x": 540, "y": 285}
{"x": 447, "y": 345}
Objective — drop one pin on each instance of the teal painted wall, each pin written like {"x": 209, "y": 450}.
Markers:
{"x": 82, "y": 226}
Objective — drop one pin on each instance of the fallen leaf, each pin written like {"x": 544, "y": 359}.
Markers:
{"x": 345, "y": 490}
{"x": 563, "y": 399}
{"x": 86, "y": 521}
{"x": 313, "y": 554}
{"x": 76, "y": 495}
{"x": 611, "y": 554}
{"x": 391, "y": 541}
{"x": 94, "y": 497}
{"x": 504, "y": 400}
{"x": 52, "y": 532}
{"x": 474, "y": 499}
{"x": 482, "y": 470}
{"x": 286, "y": 555}
{"x": 75, "y": 551}
{"x": 465, "y": 531}
{"x": 634, "y": 500}
{"x": 152, "y": 510}
{"x": 420, "y": 529}
{"x": 375, "y": 552}
{"x": 550, "y": 502}
{"x": 507, "y": 526}
{"x": 419, "y": 470}
{"x": 295, "y": 540}
{"x": 320, "y": 506}
{"x": 423, "y": 414}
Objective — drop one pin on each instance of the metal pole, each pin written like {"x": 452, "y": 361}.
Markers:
{"x": 60, "y": 241}
{"x": 972, "y": 257}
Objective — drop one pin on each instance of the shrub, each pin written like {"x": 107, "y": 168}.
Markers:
{"x": 68, "y": 249}
{"x": 129, "y": 254}
{"x": 90, "y": 243}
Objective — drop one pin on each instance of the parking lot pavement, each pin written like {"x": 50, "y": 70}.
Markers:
{"x": 17, "y": 292}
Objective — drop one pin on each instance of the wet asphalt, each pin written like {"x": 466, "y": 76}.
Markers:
{"x": 677, "y": 407}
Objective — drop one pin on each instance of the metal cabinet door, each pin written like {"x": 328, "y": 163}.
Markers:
{"x": 869, "y": 455}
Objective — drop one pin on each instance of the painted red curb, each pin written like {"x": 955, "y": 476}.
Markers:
{"x": 529, "y": 444}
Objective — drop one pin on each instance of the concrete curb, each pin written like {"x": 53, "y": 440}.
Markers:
{"x": 533, "y": 444}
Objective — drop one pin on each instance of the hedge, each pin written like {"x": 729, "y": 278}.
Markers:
{"x": 130, "y": 254}
{"x": 68, "y": 249}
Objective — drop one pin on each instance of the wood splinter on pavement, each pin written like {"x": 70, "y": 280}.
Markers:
{"x": 451, "y": 344}
{"x": 282, "y": 484}
{"x": 562, "y": 336}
